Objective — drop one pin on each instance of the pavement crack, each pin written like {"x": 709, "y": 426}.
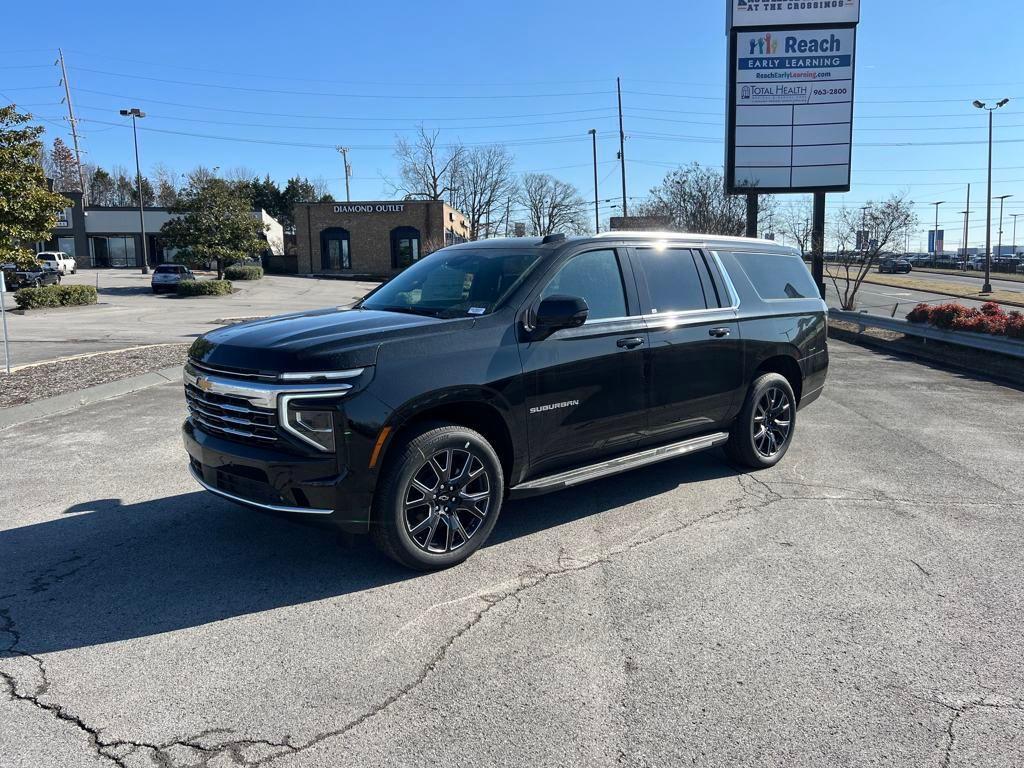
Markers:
{"x": 927, "y": 573}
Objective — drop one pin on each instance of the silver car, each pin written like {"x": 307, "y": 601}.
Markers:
{"x": 167, "y": 276}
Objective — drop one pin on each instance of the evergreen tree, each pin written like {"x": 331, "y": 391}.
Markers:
{"x": 101, "y": 188}
{"x": 28, "y": 209}
{"x": 65, "y": 168}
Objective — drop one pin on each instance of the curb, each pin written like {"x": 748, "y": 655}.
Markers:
{"x": 54, "y": 406}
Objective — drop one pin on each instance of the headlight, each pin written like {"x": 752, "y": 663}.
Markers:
{"x": 312, "y": 425}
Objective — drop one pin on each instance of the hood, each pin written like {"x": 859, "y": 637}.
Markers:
{"x": 322, "y": 340}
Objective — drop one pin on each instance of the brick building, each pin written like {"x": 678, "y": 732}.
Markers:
{"x": 378, "y": 238}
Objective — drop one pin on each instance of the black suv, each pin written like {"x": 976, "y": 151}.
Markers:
{"x": 505, "y": 368}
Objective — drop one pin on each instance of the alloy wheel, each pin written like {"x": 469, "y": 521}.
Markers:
{"x": 447, "y": 501}
{"x": 773, "y": 421}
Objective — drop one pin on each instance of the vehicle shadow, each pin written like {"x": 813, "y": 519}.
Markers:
{"x": 126, "y": 290}
{"x": 108, "y": 571}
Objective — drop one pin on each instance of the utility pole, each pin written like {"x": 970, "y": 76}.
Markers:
{"x": 622, "y": 147}
{"x": 74, "y": 123}
{"x": 999, "y": 248}
{"x": 348, "y": 171}
{"x": 597, "y": 214}
{"x": 1014, "y": 217}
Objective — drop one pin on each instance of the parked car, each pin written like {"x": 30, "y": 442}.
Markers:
{"x": 167, "y": 276}
{"x": 15, "y": 279}
{"x": 506, "y": 368}
{"x": 58, "y": 261}
{"x": 894, "y": 265}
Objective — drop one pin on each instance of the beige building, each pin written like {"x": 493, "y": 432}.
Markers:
{"x": 377, "y": 238}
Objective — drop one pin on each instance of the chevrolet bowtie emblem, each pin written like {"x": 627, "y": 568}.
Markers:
{"x": 204, "y": 384}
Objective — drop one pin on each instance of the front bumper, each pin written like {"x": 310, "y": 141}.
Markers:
{"x": 277, "y": 479}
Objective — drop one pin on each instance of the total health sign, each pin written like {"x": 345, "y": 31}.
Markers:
{"x": 790, "y": 111}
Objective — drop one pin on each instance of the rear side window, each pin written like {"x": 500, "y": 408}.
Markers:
{"x": 778, "y": 276}
{"x": 673, "y": 281}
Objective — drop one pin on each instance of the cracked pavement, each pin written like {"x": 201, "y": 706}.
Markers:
{"x": 857, "y": 605}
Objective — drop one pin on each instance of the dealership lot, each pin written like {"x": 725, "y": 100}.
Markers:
{"x": 128, "y": 314}
{"x": 857, "y": 605}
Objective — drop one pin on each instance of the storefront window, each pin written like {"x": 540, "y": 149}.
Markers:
{"x": 112, "y": 251}
{"x": 66, "y": 244}
{"x": 405, "y": 247}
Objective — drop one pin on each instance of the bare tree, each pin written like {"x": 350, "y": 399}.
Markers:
{"x": 694, "y": 200}
{"x": 165, "y": 182}
{"x": 552, "y": 205}
{"x": 321, "y": 189}
{"x": 795, "y": 221}
{"x": 886, "y": 224}
{"x": 484, "y": 184}
{"x": 239, "y": 173}
{"x": 427, "y": 168}
{"x": 64, "y": 167}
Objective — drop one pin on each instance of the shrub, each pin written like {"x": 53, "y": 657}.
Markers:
{"x": 943, "y": 315}
{"x": 922, "y": 313}
{"x": 55, "y": 296}
{"x": 991, "y": 309}
{"x": 1015, "y": 325}
{"x": 204, "y": 287}
{"x": 243, "y": 272}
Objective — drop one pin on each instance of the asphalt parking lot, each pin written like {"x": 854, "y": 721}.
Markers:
{"x": 128, "y": 314}
{"x": 858, "y": 605}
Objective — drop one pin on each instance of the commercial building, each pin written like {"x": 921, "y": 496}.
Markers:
{"x": 373, "y": 238}
{"x": 110, "y": 236}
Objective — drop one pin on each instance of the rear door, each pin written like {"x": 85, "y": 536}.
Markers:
{"x": 695, "y": 359}
{"x": 585, "y": 386}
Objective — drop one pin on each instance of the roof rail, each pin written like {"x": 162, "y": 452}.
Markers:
{"x": 556, "y": 238}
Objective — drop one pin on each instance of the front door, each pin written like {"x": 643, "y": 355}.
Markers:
{"x": 695, "y": 358}
{"x": 334, "y": 250}
{"x": 585, "y": 386}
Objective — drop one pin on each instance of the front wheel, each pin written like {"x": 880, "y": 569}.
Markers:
{"x": 439, "y": 497}
{"x": 763, "y": 431}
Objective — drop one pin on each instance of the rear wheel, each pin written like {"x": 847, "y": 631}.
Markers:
{"x": 439, "y": 497}
{"x": 763, "y": 431}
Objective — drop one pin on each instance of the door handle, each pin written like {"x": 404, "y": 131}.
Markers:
{"x": 719, "y": 333}
{"x": 631, "y": 343}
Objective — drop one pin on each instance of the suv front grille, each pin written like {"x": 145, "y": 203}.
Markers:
{"x": 232, "y": 417}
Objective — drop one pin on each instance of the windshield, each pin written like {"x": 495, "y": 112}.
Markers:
{"x": 452, "y": 283}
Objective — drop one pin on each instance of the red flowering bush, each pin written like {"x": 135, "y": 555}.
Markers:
{"x": 1015, "y": 325}
{"x": 922, "y": 313}
{"x": 943, "y": 315}
{"x": 990, "y": 319}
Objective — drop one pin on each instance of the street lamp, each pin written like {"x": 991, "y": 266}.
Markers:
{"x": 999, "y": 248}
{"x": 135, "y": 113}
{"x": 1014, "y": 217}
{"x": 597, "y": 215}
{"x": 935, "y": 235}
{"x": 987, "y": 287}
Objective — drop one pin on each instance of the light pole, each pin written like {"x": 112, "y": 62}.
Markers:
{"x": 987, "y": 287}
{"x": 135, "y": 113}
{"x": 999, "y": 248}
{"x": 597, "y": 215}
{"x": 935, "y": 241}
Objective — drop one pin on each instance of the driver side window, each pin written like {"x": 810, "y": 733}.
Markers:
{"x": 594, "y": 276}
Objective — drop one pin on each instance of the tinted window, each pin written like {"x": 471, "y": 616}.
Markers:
{"x": 595, "y": 277}
{"x": 164, "y": 269}
{"x": 673, "y": 283}
{"x": 455, "y": 282}
{"x": 778, "y": 276}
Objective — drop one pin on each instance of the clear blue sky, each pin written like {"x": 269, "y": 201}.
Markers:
{"x": 534, "y": 75}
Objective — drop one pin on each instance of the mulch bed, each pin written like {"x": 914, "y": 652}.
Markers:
{"x": 62, "y": 376}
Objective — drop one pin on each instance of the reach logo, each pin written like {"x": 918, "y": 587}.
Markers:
{"x": 764, "y": 46}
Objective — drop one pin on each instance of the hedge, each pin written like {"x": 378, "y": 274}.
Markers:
{"x": 55, "y": 296}
{"x": 204, "y": 287}
{"x": 989, "y": 319}
{"x": 243, "y": 272}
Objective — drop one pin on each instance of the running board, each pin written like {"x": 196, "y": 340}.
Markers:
{"x": 572, "y": 477}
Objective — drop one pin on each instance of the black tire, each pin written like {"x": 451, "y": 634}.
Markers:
{"x": 412, "y": 526}
{"x": 750, "y": 447}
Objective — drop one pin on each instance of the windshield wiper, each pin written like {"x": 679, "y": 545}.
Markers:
{"x": 422, "y": 311}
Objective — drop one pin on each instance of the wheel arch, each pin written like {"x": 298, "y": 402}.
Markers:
{"x": 786, "y": 366}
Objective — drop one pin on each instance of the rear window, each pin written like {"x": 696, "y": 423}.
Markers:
{"x": 172, "y": 269}
{"x": 778, "y": 276}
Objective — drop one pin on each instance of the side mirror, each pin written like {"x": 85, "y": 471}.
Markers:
{"x": 558, "y": 312}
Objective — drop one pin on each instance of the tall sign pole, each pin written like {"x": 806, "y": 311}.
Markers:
{"x": 790, "y": 106}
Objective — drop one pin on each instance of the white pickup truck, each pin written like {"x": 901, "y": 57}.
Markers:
{"x": 57, "y": 261}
